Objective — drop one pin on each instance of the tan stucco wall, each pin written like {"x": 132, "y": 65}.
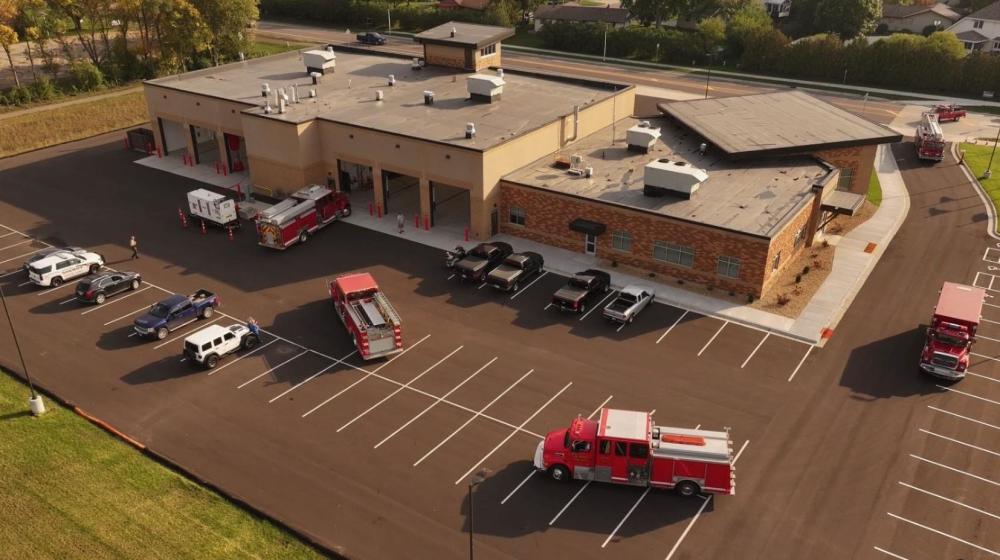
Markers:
{"x": 190, "y": 109}
{"x": 483, "y": 62}
{"x": 444, "y": 55}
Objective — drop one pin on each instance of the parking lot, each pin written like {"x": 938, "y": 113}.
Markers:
{"x": 373, "y": 458}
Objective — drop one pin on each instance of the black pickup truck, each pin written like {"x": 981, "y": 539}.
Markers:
{"x": 515, "y": 270}
{"x": 581, "y": 289}
{"x": 371, "y": 38}
{"x": 482, "y": 259}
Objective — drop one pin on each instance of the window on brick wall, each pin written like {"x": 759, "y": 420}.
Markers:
{"x": 674, "y": 254}
{"x": 776, "y": 262}
{"x": 517, "y": 216}
{"x": 488, "y": 50}
{"x": 800, "y": 236}
{"x": 728, "y": 267}
{"x": 621, "y": 240}
{"x": 846, "y": 178}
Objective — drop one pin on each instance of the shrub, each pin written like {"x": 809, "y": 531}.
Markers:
{"x": 85, "y": 76}
{"x": 750, "y": 298}
{"x": 42, "y": 89}
{"x": 798, "y": 278}
{"x": 18, "y": 96}
{"x": 783, "y": 299}
{"x": 805, "y": 269}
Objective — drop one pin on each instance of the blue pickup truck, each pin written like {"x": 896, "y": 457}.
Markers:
{"x": 175, "y": 312}
{"x": 371, "y": 38}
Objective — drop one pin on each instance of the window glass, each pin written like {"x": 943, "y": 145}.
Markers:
{"x": 217, "y": 341}
{"x": 846, "y": 178}
{"x": 229, "y": 336}
{"x": 674, "y": 254}
{"x": 605, "y": 447}
{"x": 638, "y": 450}
{"x": 728, "y": 267}
{"x": 581, "y": 446}
{"x": 517, "y": 216}
{"x": 206, "y": 346}
{"x": 621, "y": 240}
{"x": 620, "y": 447}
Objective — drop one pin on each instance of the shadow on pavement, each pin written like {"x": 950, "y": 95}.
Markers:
{"x": 870, "y": 368}
{"x": 164, "y": 369}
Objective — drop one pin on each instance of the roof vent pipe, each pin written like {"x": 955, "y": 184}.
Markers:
{"x": 576, "y": 121}
{"x": 453, "y": 31}
{"x": 265, "y": 89}
{"x": 470, "y": 130}
{"x": 416, "y": 64}
{"x": 295, "y": 94}
{"x": 315, "y": 77}
{"x": 329, "y": 48}
{"x": 428, "y": 97}
{"x": 392, "y": 79}
{"x": 281, "y": 105}
{"x": 500, "y": 72}
{"x": 379, "y": 95}
{"x": 312, "y": 93}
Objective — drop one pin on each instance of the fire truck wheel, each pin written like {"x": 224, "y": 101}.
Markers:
{"x": 687, "y": 488}
{"x": 99, "y": 299}
{"x": 559, "y": 473}
{"x": 211, "y": 361}
{"x": 207, "y": 312}
{"x": 303, "y": 236}
{"x": 345, "y": 212}
{"x": 162, "y": 333}
{"x": 249, "y": 342}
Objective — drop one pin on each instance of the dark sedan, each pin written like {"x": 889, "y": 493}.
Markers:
{"x": 97, "y": 289}
{"x": 515, "y": 270}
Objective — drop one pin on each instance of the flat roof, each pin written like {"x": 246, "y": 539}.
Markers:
{"x": 776, "y": 123}
{"x": 754, "y": 197}
{"x": 466, "y": 34}
{"x": 348, "y": 96}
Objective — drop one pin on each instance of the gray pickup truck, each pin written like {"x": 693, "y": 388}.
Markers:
{"x": 630, "y": 301}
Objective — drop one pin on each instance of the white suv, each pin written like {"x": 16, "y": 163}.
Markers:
{"x": 61, "y": 266}
{"x": 207, "y": 346}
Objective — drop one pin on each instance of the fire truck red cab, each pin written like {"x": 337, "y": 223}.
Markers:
{"x": 624, "y": 447}
{"x": 948, "y": 112}
{"x": 367, "y": 314}
{"x": 300, "y": 215}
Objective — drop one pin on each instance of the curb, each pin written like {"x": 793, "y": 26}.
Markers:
{"x": 991, "y": 210}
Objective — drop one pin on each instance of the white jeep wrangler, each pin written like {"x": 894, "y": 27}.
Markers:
{"x": 207, "y": 346}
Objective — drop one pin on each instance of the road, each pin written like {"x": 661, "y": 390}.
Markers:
{"x": 878, "y": 111}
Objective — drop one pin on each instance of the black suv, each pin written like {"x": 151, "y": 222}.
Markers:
{"x": 98, "y": 288}
{"x": 515, "y": 270}
{"x": 581, "y": 289}
{"x": 482, "y": 259}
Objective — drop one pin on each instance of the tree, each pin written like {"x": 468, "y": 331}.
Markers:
{"x": 228, "y": 21}
{"x": 180, "y": 33}
{"x": 502, "y": 12}
{"x": 748, "y": 19}
{"x": 8, "y": 37}
{"x": 712, "y": 32}
{"x": 847, "y": 18}
{"x": 649, "y": 11}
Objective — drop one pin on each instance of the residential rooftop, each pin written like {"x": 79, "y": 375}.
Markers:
{"x": 348, "y": 96}
{"x": 754, "y": 197}
{"x": 786, "y": 122}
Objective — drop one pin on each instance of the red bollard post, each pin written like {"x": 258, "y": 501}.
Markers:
{"x": 225, "y": 170}
{"x": 204, "y": 231}
{"x": 230, "y": 233}
{"x": 427, "y": 223}
{"x": 239, "y": 195}
{"x": 378, "y": 209}
{"x": 467, "y": 233}
{"x": 159, "y": 154}
{"x": 371, "y": 208}
{"x": 149, "y": 148}
{"x": 127, "y": 144}
{"x": 416, "y": 221}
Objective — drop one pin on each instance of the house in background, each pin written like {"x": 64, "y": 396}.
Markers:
{"x": 916, "y": 18}
{"x": 478, "y": 5}
{"x": 615, "y": 17}
{"x": 980, "y": 30}
{"x": 778, "y": 8}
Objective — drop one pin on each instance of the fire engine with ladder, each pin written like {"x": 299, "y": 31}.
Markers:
{"x": 367, "y": 315}
{"x": 300, "y": 215}
{"x": 929, "y": 139}
{"x": 625, "y": 447}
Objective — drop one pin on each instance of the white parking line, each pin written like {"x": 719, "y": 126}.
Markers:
{"x": 107, "y": 303}
{"x": 143, "y": 308}
{"x": 9, "y": 233}
{"x": 893, "y": 554}
{"x": 953, "y": 469}
{"x": 984, "y": 355}
{"x": 802, "y": 361}
{"x": 521, "y": 291}
{"x": 513, "y": 433}
{"x": 474, "y": 416}
{"x": 978, "y": 335}
{"x": 299, "y": 355}
{"x": 705, "y": 347}
{"x": 450, "y": 277}
{"x": 960, "y": 442}
{"x": 435, "y": 403}
{"x": 547, "y": 306}
{"x": 943, "y": 534}
{"x": 399, "y": 389}
{"x": 688, "y": 528}
{"x": 21, "y": 257}
{"x": 967, "y": 394}
{"x": 64, "y": 302}
{"x": 50, "y": 290}
{"x": 22, "y": 284}
{"x": 627, "y": 515}
{"x": 257, "y": 349}
{"x": 974, "y": 374}
{"x": 932, "y": 407}
{"x": 672, "y": 326}
{"x": 174, "y": 339}
{"x": 598, "y": 305}
{"x": 366, "y": 376}
{"x": 569, "y": 503}
{"x": 16, "y": 244}
{"x": 759, "y": 344}
{"x": 133, "y": 333}
{"x": 311, "y": 377}
{"x": 956, "y": 502}
{"x": 989, "y": 321}
{"x": 481, "y": 286}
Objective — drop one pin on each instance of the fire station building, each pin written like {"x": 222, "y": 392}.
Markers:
{"x": 717, "y": 191}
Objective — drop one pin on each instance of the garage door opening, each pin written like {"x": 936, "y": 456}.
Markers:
{"x": 236, "y": 153}
{"x": 402, "y": 194}
{"x": 206, "y": 146}
{"x": 449, "y": 207}
{"x": 172, "y": 137}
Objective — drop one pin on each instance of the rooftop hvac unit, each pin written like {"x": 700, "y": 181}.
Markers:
{"x": 663, "y": 177}
{"x": 484, "y": 87}
{"x": 417, "y": 64}
{"x": 315, "y": 77}
{"x": 428, "y": 97}
{"x": 642, "y": 137}
{"x": 319, "y": 61}
{"x": 576, "y": 165}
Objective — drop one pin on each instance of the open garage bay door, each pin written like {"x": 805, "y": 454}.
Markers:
{"x": 449, "y": 207}
{"x": 172, "y": 136}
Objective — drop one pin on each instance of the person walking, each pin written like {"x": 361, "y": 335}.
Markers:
{"x": 134, "y": 245}
{"x": 400, "y": 221}
{"x": 253, "y": 327}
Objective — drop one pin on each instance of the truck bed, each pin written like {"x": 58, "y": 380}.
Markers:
{"x": 373, "y": 313}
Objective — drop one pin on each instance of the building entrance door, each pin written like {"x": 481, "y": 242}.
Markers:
{"x": 590, "y": 244}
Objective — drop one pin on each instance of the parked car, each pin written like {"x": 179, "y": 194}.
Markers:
{"x": 175, "y": 312}
{"x": 630, "y": 301}
{"x": 209, "y": 345}
{"x": 515, "y": 270}
{"x": 46, "y": 252}
{"x": 61, "y": 266}
{"x": 482, "y": 259}
{"x": 581, "y": 289}
{"x": 371, "y": 38}
{"x": 98, "y": 288}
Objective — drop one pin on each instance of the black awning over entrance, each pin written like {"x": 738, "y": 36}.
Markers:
{"x": 840, "y": 202}
{"x": 587, "y": 226}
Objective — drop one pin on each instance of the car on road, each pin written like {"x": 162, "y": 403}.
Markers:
{"x": 97, "y": 289}
{"x": 371, "y": 38}
{"x": 61, "y": 266}
{"x": 482, "y": 259}
{"x": 515, "y": 270}
{"x": 50, "y": 251}
{"x": 175, "y": 312}
{"x": 209, "y": 345}
{"x": 629, "y": 303}
{"x": 581, "y": 289}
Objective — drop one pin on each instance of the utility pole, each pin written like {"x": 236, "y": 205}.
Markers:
{"x": 989, "y": 166}
{"x": 35, "y": 403}
{"x": 604, "y": 57}
{"x": 708, "y": 81}
{"x": 388, "y": 16}
{"x": 845, "y": 75}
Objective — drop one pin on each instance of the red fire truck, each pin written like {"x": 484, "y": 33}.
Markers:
{"x": 300, "y": 215}
{"x": 948, "y": 112}
{"x": 952, "y": 331}
{"x": 624, "y": 447}
{"x": 367, "y": 314}
{"x": 929, "y": 139}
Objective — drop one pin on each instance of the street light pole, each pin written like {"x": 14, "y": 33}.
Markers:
{"x": 388, "y": 16}
{"x": 708, "y": 80}
{"x": 989, "y": 166}
{"x": 604, "y": 57}
{"x": 35, "y": 402}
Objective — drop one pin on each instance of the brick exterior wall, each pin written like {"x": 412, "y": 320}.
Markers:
{"x": 548, "y": 214}
{"x": 784, "y": 242}
{"x": 859, "y": 159}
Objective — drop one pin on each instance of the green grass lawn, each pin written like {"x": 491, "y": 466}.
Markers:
{"x": 874, "y": 189}
{"x": 267, "y": 48}
{"x": 69, "y": 490}
{"x": 977, "y": 156}
{"x": 525, "y": 38}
